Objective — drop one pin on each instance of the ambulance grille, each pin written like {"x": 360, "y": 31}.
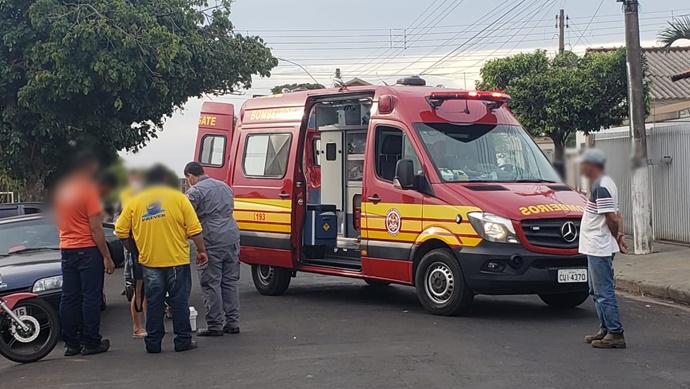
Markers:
{"x": 548, "y": 233}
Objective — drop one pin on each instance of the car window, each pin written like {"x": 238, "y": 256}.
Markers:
{"x": 31, "y": 210}
{"x": 28, "y": 234}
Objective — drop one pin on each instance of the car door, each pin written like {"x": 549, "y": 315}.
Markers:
{"x": 392, "y": 217}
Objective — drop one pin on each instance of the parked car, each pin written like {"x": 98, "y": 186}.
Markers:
{"x": 18, "y": 209}
{"x": 30, "y": 256}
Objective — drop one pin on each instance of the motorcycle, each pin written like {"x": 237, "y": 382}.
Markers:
{"x": 29, "y": 327}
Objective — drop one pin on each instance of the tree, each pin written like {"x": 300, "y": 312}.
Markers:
{"x": 104, "y": 74}
{"x": 279, "y": 88}
{"x": 556, "y": 97}
{"x": 678, "y": 29}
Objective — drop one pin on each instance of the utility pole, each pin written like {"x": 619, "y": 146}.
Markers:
{"x": 561, "y": 32}
{"x": 640, "y": 192}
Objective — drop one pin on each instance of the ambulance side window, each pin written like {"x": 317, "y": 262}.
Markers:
{"x": 392, "y": 145}
{"x": 212, "y": 150}
{"x": 266, "y": 155}
{"x": 409, "y": 153}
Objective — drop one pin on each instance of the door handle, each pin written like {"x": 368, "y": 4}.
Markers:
{"x": 374, "y": 199}
{"x": 284, "y": 195}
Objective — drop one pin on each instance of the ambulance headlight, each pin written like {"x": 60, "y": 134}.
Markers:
{"x": 46, "y": 284}
{"x": 493, "y": 228}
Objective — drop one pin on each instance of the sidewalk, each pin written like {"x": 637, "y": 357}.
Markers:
{"x": 664, "y": 274}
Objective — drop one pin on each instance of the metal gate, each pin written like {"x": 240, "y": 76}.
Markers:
{"x": 668, "y": 148}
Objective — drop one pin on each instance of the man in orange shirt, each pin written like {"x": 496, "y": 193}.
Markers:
{"x": 85, "y": 257}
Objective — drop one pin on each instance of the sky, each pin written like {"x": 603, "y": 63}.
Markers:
{"x": 446, "y": 41}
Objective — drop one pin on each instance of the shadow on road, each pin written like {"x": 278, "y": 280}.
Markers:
{"x": 509, "y": 308}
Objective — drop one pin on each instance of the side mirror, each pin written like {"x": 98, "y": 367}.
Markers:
{"x": 560, "y": 168}
{"x": 404, "y": 174}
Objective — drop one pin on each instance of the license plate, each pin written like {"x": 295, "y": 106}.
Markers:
{"x": 21, "y": 311}
{"x": 572, "y": 275}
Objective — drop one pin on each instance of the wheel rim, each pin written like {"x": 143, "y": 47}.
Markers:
{"x": 440, "y": 282}
{"x": 13, "y": 338}
{"x": 266, "y": 274}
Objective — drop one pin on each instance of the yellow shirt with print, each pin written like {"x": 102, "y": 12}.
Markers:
{"x": 160, "y": 219}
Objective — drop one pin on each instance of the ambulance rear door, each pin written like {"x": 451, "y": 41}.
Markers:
{"x": 214, "y": 138}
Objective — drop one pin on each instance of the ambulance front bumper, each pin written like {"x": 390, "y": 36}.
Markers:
{"x": 506, "y": 269}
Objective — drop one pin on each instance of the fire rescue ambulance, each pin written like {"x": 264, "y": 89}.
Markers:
{"x": 439, "y": 189}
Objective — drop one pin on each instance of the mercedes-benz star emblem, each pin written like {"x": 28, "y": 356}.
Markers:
{"x": 569, "y": 232}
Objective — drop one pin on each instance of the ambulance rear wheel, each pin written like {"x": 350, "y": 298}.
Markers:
{"x": 271, "y": 280}
{"x": 441, "y": 287}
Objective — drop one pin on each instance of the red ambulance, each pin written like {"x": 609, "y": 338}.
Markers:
{"x": 435, "y": 188}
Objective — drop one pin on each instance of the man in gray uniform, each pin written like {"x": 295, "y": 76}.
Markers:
{"x": 214, "y": 203}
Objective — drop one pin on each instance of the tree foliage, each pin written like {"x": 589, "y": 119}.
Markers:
{"x": 279, "y": 88}
{"x": 678, "y": 29}
{"x": 104, "y": 74}
{"x": 556, "y": 97}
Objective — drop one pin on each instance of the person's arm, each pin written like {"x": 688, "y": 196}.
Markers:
{"x": 123, "y": 227}
{"x": 194, "y": 230}
{"x": 620, "y": 237}
{"x": 194, "y": 196}
{"x": 608, "y": 207}
{"x": 201, "y": 257}
{"x": 613, "y": 221}
{"x": 98, "y": 235}
{"x": 94, "y": 210}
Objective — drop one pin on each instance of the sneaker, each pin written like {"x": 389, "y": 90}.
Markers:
{"x": 231, "y": 330}
{"x": 105, "y": 346}
{"x": 192, "y": 345}
{"x": 70, "y": 352}
{"x": 209, "y": 332}
{"x": 610, "y": 341}
{"x": 599, "y": 336}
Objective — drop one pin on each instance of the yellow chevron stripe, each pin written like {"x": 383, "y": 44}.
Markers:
{"x": 262, "y": 216}
{"x": 248, "y": 226}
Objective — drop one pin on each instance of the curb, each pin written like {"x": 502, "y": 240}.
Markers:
{"x": 646, "y": 288}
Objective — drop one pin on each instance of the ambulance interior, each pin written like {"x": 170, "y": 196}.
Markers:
{"x": 331, "y": 233}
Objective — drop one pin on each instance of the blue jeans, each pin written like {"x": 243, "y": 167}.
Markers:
{"x": 603, "y": 293}
{"x": 82, "y": 293}
{"x": 177, "y": 283}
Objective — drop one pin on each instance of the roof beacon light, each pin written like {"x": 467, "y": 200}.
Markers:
{"x": 387, "y": 104}
{"x": 494, "y": 100}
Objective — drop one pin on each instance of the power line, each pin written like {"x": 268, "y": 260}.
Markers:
{"x": 582, "y": 35}
{"x": 453, "y": 38}
{"x": 506, "y": 42}
{"x": 469, "y": 40}
{"x": 382, "y": 29}
{"x": 411, "y": 26}
{"x": 590, "y": 22}
{"x": 448, "y": 10}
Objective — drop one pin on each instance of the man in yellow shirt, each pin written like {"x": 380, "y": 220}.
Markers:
{"x": 161, "y": 219}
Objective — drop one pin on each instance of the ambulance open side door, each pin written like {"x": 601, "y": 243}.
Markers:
{"x": 214, "y": 138}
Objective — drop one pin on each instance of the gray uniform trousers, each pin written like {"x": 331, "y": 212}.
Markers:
{"x": 219, "y": 280}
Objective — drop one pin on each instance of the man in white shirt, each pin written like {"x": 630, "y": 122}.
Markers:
{"x": 601, "y": 236}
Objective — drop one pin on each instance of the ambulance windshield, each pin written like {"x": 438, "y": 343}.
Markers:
{"x": 484, "y": 153}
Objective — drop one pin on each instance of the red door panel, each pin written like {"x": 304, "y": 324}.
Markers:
{"x": 214, "y": 138}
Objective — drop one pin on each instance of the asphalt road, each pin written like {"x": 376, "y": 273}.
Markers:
{"x": 338, "y": 333}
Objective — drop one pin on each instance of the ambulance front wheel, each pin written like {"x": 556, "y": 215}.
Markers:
{"x": 271, "y": 280}
{"x": 441, "y": 286}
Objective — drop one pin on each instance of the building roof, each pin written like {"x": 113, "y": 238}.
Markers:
{"x": 663, "y": 64}
{"x": 357, "y": 82}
